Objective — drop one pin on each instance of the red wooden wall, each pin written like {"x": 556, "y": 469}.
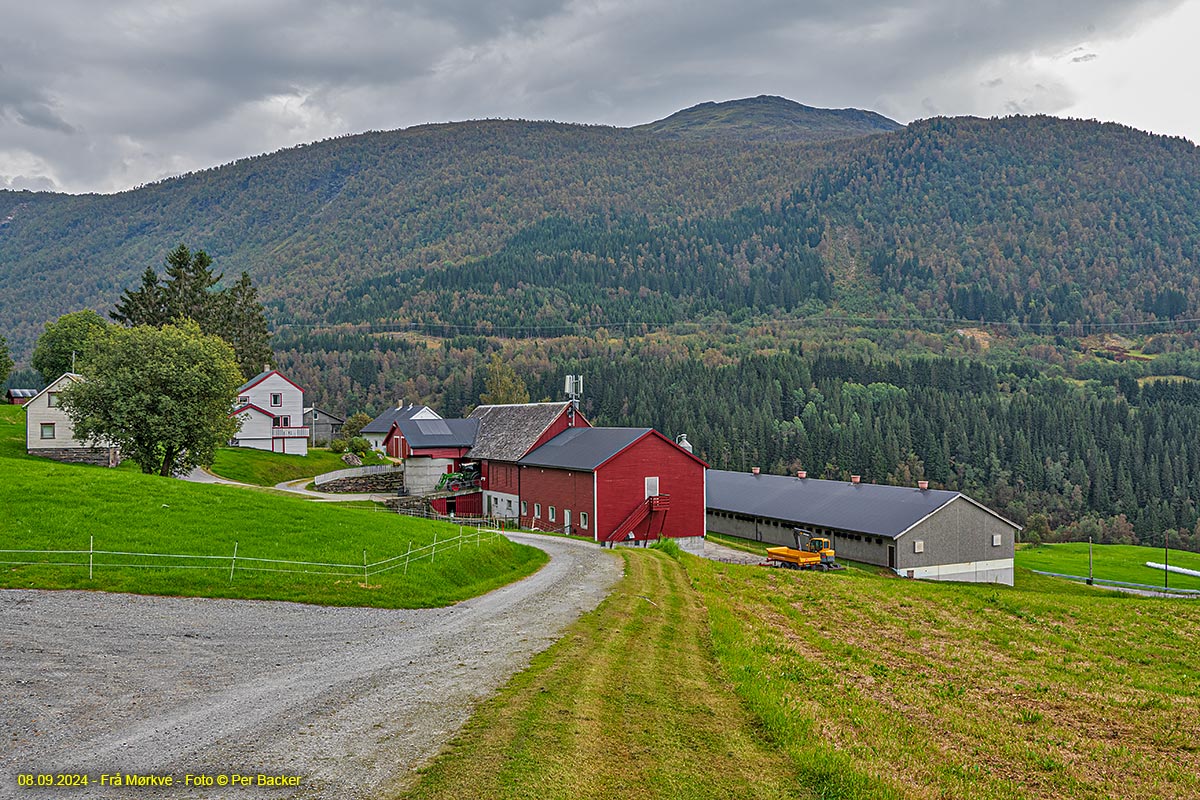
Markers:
{"x": 562, "y": 489}
{"x": 621, "y": 487}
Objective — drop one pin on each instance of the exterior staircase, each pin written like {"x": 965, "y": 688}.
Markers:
{"x": 653, "y": 503}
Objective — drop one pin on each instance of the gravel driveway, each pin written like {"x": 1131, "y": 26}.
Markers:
{"x": 350, "y": 700}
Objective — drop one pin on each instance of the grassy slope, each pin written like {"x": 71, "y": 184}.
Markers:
{"x": 56, "y": 506}
{"x": 951, "y": 690}
{"x": 628, "y": 704}
{"x": 859, "y": 686}
{"x": 1114, "y": 562}
{"x": 261, "y": 468}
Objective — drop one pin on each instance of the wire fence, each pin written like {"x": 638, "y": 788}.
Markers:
{"x": 468, "y": 535}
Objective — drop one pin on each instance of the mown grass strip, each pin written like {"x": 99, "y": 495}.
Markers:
{"x": 261, "y": 468}
{"x": 629, "y": 704}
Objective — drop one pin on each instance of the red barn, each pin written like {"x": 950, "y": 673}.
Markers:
{"x": 506, "y": 434}
{"x": 430, "y": 448}
{"x": 613, "y": 484}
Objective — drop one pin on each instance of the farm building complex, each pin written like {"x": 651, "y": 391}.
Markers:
{"x": 917, "y": 532}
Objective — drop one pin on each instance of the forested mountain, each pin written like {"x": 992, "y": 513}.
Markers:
{"x": 769, "y": 119}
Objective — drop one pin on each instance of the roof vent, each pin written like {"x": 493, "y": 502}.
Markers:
{"x": 754, "y": 470}
{"x": 682, "y": 441}
{"x": 856, "y": 478}
{"x": 923, "y": 485}
{"x": 801, "y": 474}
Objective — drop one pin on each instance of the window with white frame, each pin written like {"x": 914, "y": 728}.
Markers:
{"x": 919, "y": 546}
{"x": 52, "y": 399}
{"x": 651, "y": 486}
{"x": 551, "y": 513}
{"x": 243, "y": 399}
{"x": 583, "y": 519}
{"x": 537, "y": 510}
{"x": 47, "y": 430}
{"x": 276, "y": 400}
{"x": 524, "y": 508}
{"x": 996, "y": 538}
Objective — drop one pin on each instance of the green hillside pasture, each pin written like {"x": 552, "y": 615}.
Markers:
{"x": 261, "y": 468}
{"x": 1114, "y": 562}
{"x": 52, "y": 506}
{"x": 1045, "y": 690}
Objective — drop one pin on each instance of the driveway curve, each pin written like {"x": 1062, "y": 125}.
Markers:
{"x": 351, "y": 700}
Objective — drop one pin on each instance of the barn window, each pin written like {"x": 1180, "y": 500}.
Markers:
{"x": 551, "y": 512}
{"x": 524, "y": 508}
{"x": 276, "y": 400}
{"x": 47, "y": 430}
{"x": 919, "y": 546}
{"x": 583, "y": 519}
{"x": 995, "y": 540}
{"x": 537, "y": 510}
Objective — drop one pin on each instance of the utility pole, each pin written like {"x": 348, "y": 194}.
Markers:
{"x": 1166, "y": 554}
{"x": 1090, "y": 579}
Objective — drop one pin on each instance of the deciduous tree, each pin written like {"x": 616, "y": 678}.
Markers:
{"x": 504, "y": 385}
{"x": 162, "y": 395}
{"x": 64, "y": 341}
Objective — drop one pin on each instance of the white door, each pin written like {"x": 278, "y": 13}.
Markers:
{"x": 651, "y": 486}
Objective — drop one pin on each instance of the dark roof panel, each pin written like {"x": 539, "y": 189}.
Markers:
{"x": 864, "y": 508}
{"x": 427, "y": 433}
{"x": 507, "y": 432}
{"x": 22, "y": 393}
{"x": 583, "y": 448}
{"x": 383, "y": 423}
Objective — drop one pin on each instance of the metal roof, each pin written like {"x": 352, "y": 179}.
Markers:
{"x": 425, "y": 433}
{"x": 325, "y": 415}
{"x": 22, "y": 393}
{"x": 383, "y": 423}
{"x": 507, "y": 432}
{"x": 863, "y": 508}
{"x": 583, "y": 448}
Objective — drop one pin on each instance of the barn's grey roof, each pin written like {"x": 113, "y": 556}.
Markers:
{"x": 864, "y": 508}
{"x": 424, "y": 433}
{"x": 507, "y": 432}
{"x": 383, "y": 423}
{"x": 21, "y": 393}
{"x": 583, "y": 448}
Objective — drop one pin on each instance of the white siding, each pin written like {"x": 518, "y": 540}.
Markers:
{"x": 38, "y": 410}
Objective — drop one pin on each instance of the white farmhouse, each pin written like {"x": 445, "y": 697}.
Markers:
{"x": 271, "y": 410}
{"x": 50, "y": 433}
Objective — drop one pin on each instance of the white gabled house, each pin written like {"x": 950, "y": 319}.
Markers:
{"x": 271, "y": 411}
{"x": 50, "y": 433}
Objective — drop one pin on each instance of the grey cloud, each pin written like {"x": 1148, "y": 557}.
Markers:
{"x": 153, "y": 89}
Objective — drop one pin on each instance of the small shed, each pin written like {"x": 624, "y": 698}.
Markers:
{"x": 323, "y": 427}
{"x": 19, "y": 397}
{"x": 916, "y": 532}
{"x": 613, "y": 485}
{"x": 50, "y": 433}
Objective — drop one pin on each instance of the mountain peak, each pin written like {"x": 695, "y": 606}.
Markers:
{"x": 769, "y": 118}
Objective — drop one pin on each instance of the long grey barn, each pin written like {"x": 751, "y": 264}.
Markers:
{"x": 918, "y": 533}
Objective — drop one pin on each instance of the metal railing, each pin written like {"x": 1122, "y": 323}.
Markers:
{"x": 476, "y": 535}
{"x": 1147, "y": 587}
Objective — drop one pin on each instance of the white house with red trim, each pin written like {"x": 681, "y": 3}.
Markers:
{"x": 270, "y": 408}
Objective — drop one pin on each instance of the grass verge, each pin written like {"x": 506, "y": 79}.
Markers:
{"x": 52, "y": 506}
{"x": 258, "y": 467}
{"x": 629, "y": 704}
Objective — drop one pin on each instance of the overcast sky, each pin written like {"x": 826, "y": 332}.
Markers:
{"x": 102, "y": 96}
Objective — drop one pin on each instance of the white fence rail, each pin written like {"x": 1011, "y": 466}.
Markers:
{"x": 468, "y": 535}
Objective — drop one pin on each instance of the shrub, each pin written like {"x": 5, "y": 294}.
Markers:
{"x": 338, "y": 445}
{"x": 360, "y": 446}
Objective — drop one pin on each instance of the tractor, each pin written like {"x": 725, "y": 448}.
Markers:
{"x": 453, "y": 481}
{"x": 816, "y": 553}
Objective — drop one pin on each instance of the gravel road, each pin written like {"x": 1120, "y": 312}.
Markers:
{"x": 349, "y": 699}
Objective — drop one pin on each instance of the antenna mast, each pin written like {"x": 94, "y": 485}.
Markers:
{"x": 573, "y": 388}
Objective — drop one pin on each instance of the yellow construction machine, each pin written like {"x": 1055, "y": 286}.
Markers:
{"x": 816, "y": 553}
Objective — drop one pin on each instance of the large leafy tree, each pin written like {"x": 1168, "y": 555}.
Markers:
{"x": 6, "y": 363}
{"x": 64, "y": 341}
{"x": 503, "y": 385}
{"x": 160, "y": 394}
{"x": 190, "y": 291}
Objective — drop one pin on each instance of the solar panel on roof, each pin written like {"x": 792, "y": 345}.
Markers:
{"x": 433, "y": 427}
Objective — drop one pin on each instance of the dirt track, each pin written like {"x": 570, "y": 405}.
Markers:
{"x": 350, "y": 700}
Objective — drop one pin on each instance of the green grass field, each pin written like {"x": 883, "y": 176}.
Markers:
{"x": 852, "y": 685}
{"x": 52, "y": 506}
{"x": 1114, "y": 562}
{"x": 261, "y": 468}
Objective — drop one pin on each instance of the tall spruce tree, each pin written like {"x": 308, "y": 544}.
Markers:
{"x": 243, "y": 323}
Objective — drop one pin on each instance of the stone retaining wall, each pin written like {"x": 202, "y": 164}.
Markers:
{"x": 379, "y": 483}
{"x": 98, "y": 456}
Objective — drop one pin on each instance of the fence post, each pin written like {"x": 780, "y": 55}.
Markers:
{"x": 407, "y": 556}
{"x": 460, "y": 537}
{"x": 364, "y": 569}
{"x": 91, "y": 550}
{"x": 434, "y": 553}
{"x": 233, "y": 563}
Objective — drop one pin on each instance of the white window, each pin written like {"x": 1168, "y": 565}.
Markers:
{"x": 276, "y": 400}
{"x": 583, "y": 519}
{"x": 919, "y": 546}
{"x": 567, "y": 519}
{"x": 243, "y": 399}
{"x": 52, "y": 399}
{"x": 537, "y": 510}
{"x": 524, "y": 509}
{"x": 552, "y": 513}
{"x": 47, "y": 430}
{"x": 995, "y": 540}
{"x": 652, "y": 486}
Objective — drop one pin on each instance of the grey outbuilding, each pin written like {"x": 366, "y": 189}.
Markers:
{"x": 917, "y": 532}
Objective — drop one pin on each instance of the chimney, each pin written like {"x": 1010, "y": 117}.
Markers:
{"x": 266, "y": 367}
{"x": 801, "y": 474}
{"x": 923, "y": 486}
{"x": 754, "y": 470}
{"x": 856, "y": 479}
